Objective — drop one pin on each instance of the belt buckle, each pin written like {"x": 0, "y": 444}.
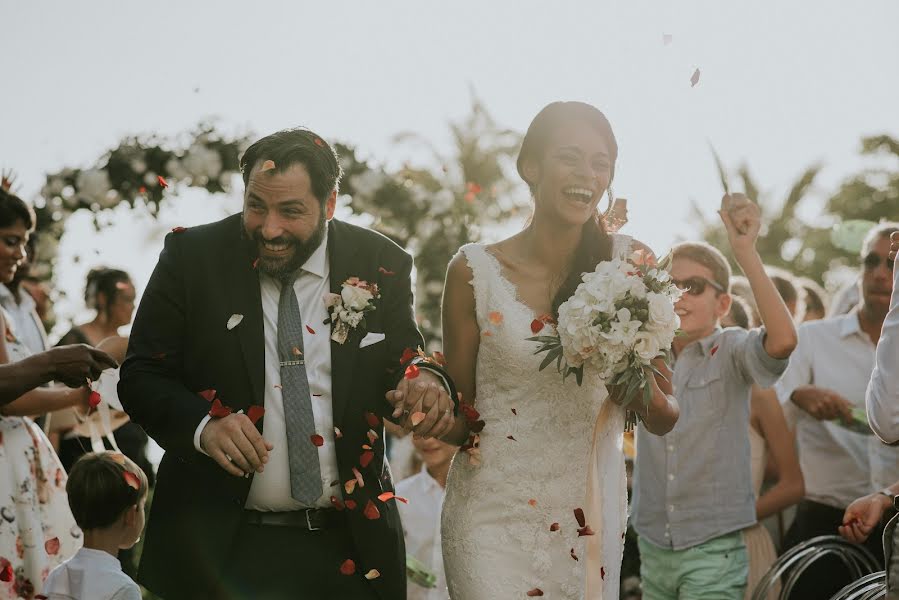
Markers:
{"x": 309, "y": 523}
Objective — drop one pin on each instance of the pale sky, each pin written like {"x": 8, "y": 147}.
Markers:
{"x": 783, "y": 84}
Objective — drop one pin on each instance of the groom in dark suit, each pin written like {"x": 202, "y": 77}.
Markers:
{"x": 259, "y": 359}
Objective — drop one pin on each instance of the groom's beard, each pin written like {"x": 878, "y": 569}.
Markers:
{"x": 279, "y": 267}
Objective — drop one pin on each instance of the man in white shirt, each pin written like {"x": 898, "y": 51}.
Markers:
{"x": 421, "y": 516}
{"x": 826, "y": 382}
{"x": 260, "y": 359}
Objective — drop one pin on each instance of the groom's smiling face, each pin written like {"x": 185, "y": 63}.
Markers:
{"x": 282, "y": 215}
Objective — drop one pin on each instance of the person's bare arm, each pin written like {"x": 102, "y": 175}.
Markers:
{"x": 790, "y": 486}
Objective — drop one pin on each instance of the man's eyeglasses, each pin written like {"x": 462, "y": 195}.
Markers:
{"x": 874, "y": 260}
{"x": 695, "y": 286}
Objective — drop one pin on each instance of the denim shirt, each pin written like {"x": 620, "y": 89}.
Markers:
{"x": 695, "y": 483}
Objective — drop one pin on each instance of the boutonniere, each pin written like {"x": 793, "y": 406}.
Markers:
{"x": 347, "y": 309}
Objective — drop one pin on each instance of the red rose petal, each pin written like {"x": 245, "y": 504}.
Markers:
{"x": 142, "y": 190}
{"x": 255, "y": 413}
{"x": 132, "y": 480}
{"x": 495, "y": 317}
{"x": 208, "y": 395}
{"x": 297, "y": 352}
{"x": 256, "y": 263}
{"x": 317, "y": 440}
{"x": 6, "y": 573}
{"x": 349, "y": 486}
{"x": 372, "y": 436}
{"x": 579, "y": 515}
{"x": 218, "y": 409}
{"x": 532, "y": 502}
{"x": 386, "y": 496}
{"x": 366, "y": 458}
{"x": 713, "y": 350}
{"x": 358, "y": 477}
{"x": 554, "y": 527}
{"x": 372, "y": 419}
{"x": 511, "y": 437}
{"x": 337, "y": 503}
{"x": 602, "y": 572}
{"x": 178, "y": 229}
{"x": 337, "y": 433}
{"x": 371, "y": 511}
{"x": 348, "y": 567}
{"x": 536, "y": 326}
{"x": 52, "y": 546}
{"x": 385, "y": 271}
{"x": 585, "y": 530}
{"x": 408, "y": 354}
{"x": 535, "y": 592}
{"x": 417, "y": 417}
{"x": 573, "y": 555}
{"x": 162, "y": 181}
{"x": 514, "y": 412}
{"x": 94, "y": 399}
{"x": 412, "y": 372}
{"x": 319, "y": 143}
{"x": 351, "y": 504}
{"x": 366, "y": 447}
{"x": 373, "y": 574}
{"x": 310, "y": 330}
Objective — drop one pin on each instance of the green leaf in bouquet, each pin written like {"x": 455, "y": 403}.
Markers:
{"x": 551, "y": 356}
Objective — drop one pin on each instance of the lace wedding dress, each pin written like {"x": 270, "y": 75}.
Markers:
{"x": 547, "y": 449}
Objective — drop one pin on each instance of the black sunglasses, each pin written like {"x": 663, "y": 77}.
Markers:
{"x": 873, "y": 260}
{"x": 695, "y": 286}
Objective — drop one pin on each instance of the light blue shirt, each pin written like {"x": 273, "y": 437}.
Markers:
{"x": 695, "y": 483}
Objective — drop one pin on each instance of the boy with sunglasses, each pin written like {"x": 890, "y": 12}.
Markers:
{"x": 693, "y": 491}
{"x": 825, "y": 386}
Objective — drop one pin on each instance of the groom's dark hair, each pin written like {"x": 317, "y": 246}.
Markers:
{"x": 288, "y": 147}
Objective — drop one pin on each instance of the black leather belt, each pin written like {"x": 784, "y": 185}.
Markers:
{"x": 310, "y": 519}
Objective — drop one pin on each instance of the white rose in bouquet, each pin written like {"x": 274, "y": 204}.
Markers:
{"x": 646, "y": 346}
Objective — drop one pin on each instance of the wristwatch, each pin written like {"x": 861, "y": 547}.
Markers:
{"x": 893, "y": 497}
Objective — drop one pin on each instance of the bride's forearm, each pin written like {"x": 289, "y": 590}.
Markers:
{"x": 458, "y": 435}
{"x": 662, "y": 413}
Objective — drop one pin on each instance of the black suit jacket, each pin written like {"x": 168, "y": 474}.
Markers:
{"x": 180, "y": 345}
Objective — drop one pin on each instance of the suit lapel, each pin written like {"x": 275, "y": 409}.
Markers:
{"x": 341, "y": 252}
{"x": 242, "y": 284}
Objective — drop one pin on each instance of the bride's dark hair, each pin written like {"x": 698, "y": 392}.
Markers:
{"x": 595, "y": 245}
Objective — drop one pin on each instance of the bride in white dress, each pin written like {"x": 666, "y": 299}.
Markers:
{"x": 509, "y": 521}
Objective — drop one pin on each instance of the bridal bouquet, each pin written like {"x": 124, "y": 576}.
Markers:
{"x": 619, "y": 319}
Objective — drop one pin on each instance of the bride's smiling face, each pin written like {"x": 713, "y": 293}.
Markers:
{"x": 572, "y": 175}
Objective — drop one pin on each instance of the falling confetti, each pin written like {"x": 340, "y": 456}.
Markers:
{"x": 366, "y": 458}
{"x": 373, "y": 574}
{"x": 371, "y": 511}
{"x": 310, "y": 330}
{"x": 532, "y": 502}
{"x": 218, "y": 409}
{"x": 208, "y": 395}
{"x": 714, "y": 350}
{"x": 537, "y": 326}
{"x": 162, "y": 181}
{"x": 495, "y": 317}
{"x": 94, "y": 399}
{"x": 254, "y": 413}
{"x": 267, "y": 166}
{"x": 554, "y": 527}
{"x": 417, "y": 417}
{"x": 179, "y": 229}
{"x": 535, "y": 592}
{"x": 234, "y": 321}
{"x": 52, "y": 546}
{"x": 694, "y": 79}
{"x": 348, "y": 567}
{"x": 372, "y": 419}
{"x": 573, "y": 555}
{"x": 511, "y": 437}
{"x": 412, "y": 372}
{"x": 337, "y": 433}
{"x": 317, "y": 440}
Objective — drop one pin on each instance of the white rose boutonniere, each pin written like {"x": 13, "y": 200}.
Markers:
{"x": 347, "y": 309}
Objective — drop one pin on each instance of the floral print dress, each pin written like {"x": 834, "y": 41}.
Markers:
{"x": 37, "y": 529}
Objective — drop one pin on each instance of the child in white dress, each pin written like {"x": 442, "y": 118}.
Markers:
{"x": 107, "y": 492}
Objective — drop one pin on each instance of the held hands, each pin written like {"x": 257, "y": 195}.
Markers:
{"x": 423, "y": 395}
{"x": 235, "y": 444}
{"x": 862, "y": 516}
{"x": 821, "y": 403}
{"x": 74, "y": 365}
{"x": 743, "y": 220}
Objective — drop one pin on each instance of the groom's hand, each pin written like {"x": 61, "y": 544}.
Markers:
{"x": 425, "y": 394}
{"x": 235, "y": 444}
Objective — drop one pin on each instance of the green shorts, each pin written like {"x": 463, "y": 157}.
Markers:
{"x": 714, "y": 570}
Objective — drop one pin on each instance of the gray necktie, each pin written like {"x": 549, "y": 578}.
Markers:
{"x": 302, "y": 454}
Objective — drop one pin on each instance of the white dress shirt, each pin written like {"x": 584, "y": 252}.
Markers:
{"x": 882, "y": 397}
{"x": 270, "y": 490}
{"x": 838, "y": 465}
{"x": 90, "y": 575}
{"x": 421, "y": 528}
